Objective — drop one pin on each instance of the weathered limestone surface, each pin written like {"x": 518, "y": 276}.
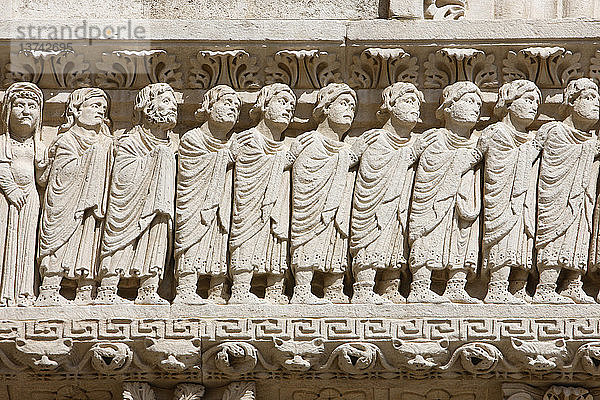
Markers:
{"x": 186, "y": 213}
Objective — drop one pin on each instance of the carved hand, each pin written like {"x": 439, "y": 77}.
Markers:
{"x": 17, "y": 198}
{"x": 423, "y": 142}
{"x": 301, "y": 142}
{"x": 364, "y": 141}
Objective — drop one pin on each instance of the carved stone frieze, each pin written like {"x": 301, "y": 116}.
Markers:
{"x": 547, "y": 67}
{"x": 380, "y": 67}
{"x": 62, "y": 69}
{"x": 303, "y": 69}
{"x": 450, "y": 65}
{"x": 235, "y": 68}
{"x": 125, "y": 69}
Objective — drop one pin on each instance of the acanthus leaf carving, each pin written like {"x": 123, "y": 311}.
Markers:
{"x": 188, "y": 391}
{"x": 65, "y": 68}
{"x": 303, "y": 69}
{"x": 477, "y": 358}
{"x": 449, "y": 65}
{"x": 109, "y": 358}
{"x": 235, "y": 68}
{"x": 538, "y": 355}
{"x": 445, "y": 9}
{"x": 556, "y": 392}
{"x": 329, "y": 394}
{"x": 379, "y": 67}
{"x": 357, "y": 357}
{"x": 547, "y": 67}
{"x": 138, "y": 391}
{"x": 240, "y": 391}
{"x": 421, "y": 356}
{"x": 124, "y": 69}
{"x": 235, "y": 358}
{"x": 594, "y": 70}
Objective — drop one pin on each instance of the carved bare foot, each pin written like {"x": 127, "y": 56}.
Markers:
{"x": 575, "y": 292}
{"x": 335, "y": 294}
{"x": 241, "y": 294}
{"x": 274, "y": 294}
{"x": 545, "y": 293}
{"x": 148, "y": 295}
{"x": 188, "y": 296}
{"x": 498, "y": 294}
{"x": 108, "y": 295}
{"x": 364, "y": 294}
{"x": 303, "y": 295}
{"x": 420, "y": 293}
{"x": 50, "y": 296}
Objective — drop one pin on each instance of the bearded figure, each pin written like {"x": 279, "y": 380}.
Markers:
{"x": 510, "y": 172}
{"x": 23, "y": 161}
{"x": 74, "y": 206}
{"x": 139, "y": 220}
{"x": 382, "y": 195}
{"x": 204, "y": 195}
{"x": 444, "y": 216}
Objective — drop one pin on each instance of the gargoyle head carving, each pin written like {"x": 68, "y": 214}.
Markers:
{"x": 299, "y": 356}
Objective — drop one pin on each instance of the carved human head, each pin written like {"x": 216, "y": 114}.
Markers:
{"x": 157, "y": 105}
{"x": 460, "y": 102}
{"x": 22, "y": 110}
{"x": 221, "y": 105}
{"x": 336, "y": 102}
{"x": 519, "y": 98}
{"x": 276, "y": 103}
{"x": 580, "y": 98}
{"x": 401, "y": 101}
{"x": 87, "y": 107}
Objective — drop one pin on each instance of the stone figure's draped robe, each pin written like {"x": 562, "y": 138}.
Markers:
{"x": 261, "y": 207}
{"x": 139, "y": 219}
{"x": 511, "y": 166}
{"x": 321, "y": 201}
{"x": 566, "y": 194}
{"x": 203, "y": 207}
{"x": 443, "y": 222}
{"x": 74, "y": 205}
{"x": 18, "y": 227}
{"x": 381, "y": 199}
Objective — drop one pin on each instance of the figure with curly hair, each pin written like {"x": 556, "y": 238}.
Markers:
{"x": 139, "y": 219}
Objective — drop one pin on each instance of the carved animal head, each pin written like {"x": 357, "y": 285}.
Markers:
{"x": 44, "y": 355}
{"x": 173, "y": 355}
{"x": 298, "y": 356}
{"x": 421, "y": 356}
{"x": 541, "y": 355}
{"x": 589, "y": 354}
